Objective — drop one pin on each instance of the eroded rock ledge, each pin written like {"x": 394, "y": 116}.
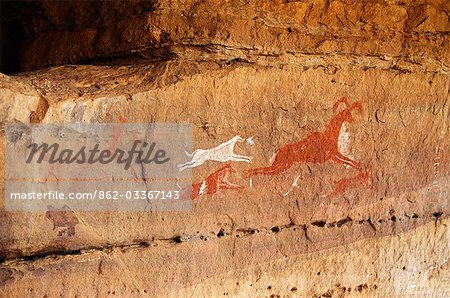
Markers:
{"x": 105, "y": 31}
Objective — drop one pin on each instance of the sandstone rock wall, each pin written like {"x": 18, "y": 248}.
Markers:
{"x": 403, "y": 34}
{"x": 373, "y": 226}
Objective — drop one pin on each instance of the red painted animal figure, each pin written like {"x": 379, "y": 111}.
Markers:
{"x": 360, "y": 180}
{"x": 215, "y": 182}
{"x": 62, "y": 218}
{"x": 317, "y": 147}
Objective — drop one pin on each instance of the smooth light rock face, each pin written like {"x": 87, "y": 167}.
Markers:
{"x": 346, "y": 118}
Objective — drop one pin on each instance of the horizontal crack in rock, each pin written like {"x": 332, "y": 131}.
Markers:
{"x": 239, "y": 232}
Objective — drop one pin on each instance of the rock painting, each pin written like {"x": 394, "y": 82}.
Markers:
{"x": 331, "y": 144}
{"x": 295, "y": 184}
{"x": 64, "y": 218}
{"x": 317, "y": 147}
{"x": 215, "y": 182}
{"x": 222, "y": 153}
{"x": 360, "y": 180}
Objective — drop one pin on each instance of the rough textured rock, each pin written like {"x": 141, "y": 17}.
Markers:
{"x": 315, "y": 229}
{"x": 18, "y": 102}
{"x": 411, "y": 31}
{"x": 407, "y": 264}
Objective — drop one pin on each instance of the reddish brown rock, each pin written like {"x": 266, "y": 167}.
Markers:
{"x": 148, "y": 30}
{"x": 363, "y": 207}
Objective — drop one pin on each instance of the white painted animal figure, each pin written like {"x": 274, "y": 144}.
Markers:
{"x": 223, "y": 153}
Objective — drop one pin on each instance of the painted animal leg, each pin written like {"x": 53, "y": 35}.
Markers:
{"x": 185, "y": 165}
{"x": 294, "y": 185}
{"x": 190, "y": 164}
{"x": 340, "y": 187}
{"x": 236, "y": 157}
{"x": 360, "y": 180}
{"x": 229, "y": 185}
{"x": 347, "y": 161}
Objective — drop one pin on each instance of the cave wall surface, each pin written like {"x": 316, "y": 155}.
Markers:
{"x": 373, "y": 226}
